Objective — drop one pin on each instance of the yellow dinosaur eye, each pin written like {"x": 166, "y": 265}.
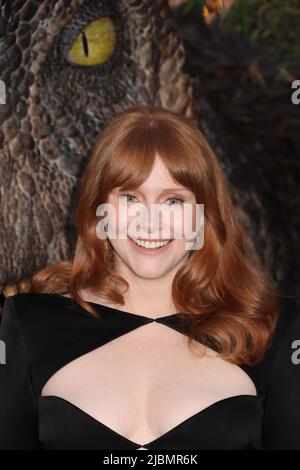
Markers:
{"x": 95, "y": 44}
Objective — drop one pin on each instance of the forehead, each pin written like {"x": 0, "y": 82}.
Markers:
{"x": 159, "y": 176}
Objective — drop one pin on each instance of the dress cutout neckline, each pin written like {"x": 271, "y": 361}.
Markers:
{"x": 223, "y": 401}
{"x": 108, "y": 309}
{"x": 259, "y": 396}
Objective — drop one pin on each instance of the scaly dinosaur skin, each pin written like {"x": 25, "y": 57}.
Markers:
{"x": 55, "y": 110}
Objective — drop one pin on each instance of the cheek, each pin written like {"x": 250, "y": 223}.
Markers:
{"x": 183, "y": 223}
{"x": 177, "y": 224}
{"x": 190, "y": 222}
{"x": 122, "y": 222}
{"x": 118, "y": 222}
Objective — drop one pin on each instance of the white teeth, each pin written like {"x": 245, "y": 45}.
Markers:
{"x": 146, "y": 244}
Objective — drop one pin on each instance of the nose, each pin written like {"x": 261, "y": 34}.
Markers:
{"x": 150, "y": 221}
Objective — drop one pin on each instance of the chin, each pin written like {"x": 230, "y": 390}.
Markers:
{"x": 145, "y": 274}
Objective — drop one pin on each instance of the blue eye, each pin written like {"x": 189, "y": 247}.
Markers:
{"x": 178, "y": 201}
{"x": 127, "y": 195}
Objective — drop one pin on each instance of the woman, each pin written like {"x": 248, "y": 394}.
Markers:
{"x": 152, "y": 341}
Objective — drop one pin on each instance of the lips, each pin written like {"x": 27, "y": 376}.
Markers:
{"x": 143, "y": 240}
{"x": 151, "y": 239}
{"x": 147, "y": 247}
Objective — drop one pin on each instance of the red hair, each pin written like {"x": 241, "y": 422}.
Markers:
{"x": 229, "y": 301}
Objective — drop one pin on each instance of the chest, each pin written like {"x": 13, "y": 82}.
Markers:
{"x": 145, "y": 382}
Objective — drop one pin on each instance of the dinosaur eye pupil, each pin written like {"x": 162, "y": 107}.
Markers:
{"x": 95, "y": 44}
{"x": 85, "y": 44}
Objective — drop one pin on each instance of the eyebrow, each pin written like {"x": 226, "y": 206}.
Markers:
{"x": 167, "y": 190}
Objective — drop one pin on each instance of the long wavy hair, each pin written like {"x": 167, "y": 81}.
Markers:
{"x": 228, "y": 301}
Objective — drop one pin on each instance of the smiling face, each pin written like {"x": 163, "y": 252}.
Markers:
{"x": 159, "y": 245}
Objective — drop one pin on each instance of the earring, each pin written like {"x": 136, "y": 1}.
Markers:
{"x": 107, "y": 250}
{"x": 106, "y": 247}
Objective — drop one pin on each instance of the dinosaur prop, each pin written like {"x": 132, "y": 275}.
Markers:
{"x": 68, "y": 66}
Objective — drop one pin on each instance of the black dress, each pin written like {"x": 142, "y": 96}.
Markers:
{"x": 44, "y": 332}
